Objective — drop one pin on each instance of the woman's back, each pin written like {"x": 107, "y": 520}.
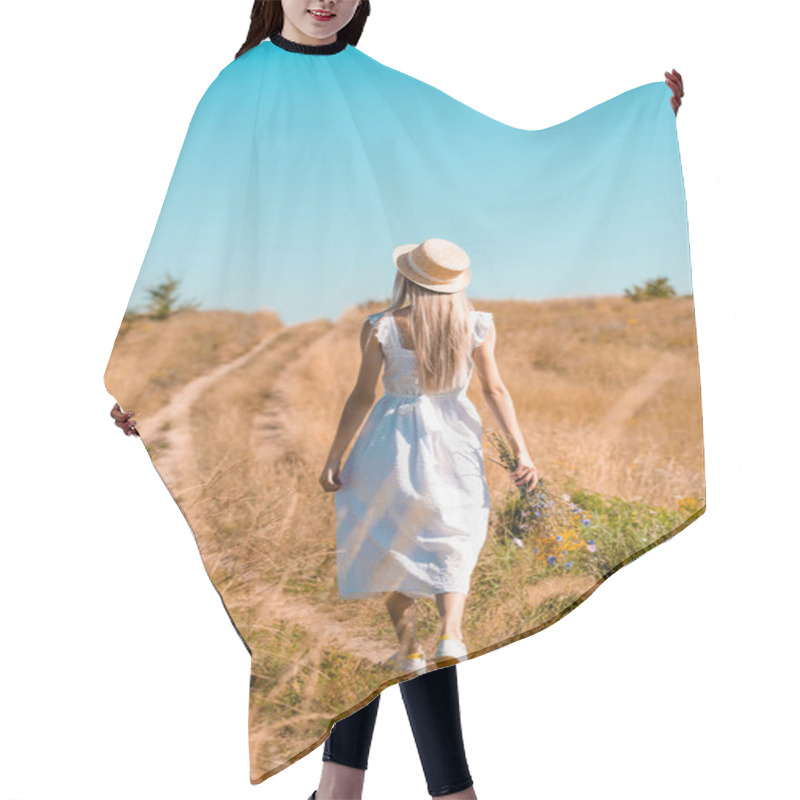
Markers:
{"x": 400, "y": 375}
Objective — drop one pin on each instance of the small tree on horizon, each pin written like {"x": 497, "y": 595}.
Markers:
{"x": 658, "y": 287}
{"x": 164, "y": 298}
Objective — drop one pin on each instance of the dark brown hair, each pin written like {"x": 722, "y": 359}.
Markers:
{"x": 266, "y": 18}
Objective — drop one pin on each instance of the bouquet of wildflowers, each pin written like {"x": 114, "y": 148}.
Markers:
{"x": 543, "y": 518}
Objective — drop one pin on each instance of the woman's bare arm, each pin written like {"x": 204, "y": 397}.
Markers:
{"x": 498, "y": 398}
{"x": 356, "y": 407}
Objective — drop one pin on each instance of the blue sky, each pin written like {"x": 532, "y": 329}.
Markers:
{"x": 299, "y": 175}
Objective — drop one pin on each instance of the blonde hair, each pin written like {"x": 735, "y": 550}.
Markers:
{"x": 441, "y": 331}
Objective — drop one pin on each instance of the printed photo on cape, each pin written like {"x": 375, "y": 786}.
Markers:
{"x": 299, "y": 177}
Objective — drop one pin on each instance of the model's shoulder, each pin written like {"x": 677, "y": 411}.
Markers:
{"x": 384, "y": 71}
{"x": 482, "y": 324}
{"x": 254, "y": 57}
{"x": 378, "y": 322}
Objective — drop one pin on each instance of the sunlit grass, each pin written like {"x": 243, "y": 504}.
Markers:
{"x": 620, "y": 471}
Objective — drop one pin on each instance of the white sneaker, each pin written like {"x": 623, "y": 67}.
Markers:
{"x": 450, "y": 648}
{"x": 412, "y": 662}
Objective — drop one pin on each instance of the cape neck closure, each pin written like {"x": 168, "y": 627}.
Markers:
{"x": 310, "y": 49}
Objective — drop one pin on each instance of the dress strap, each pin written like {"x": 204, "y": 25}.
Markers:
{"x": 394, "y": 332}
{"x": 388, "y": 334}
{"x": 482, "y": 321}
{"x": 383, "y": 334}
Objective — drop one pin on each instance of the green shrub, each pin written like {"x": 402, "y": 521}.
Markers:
{"x": 659, "y": 287}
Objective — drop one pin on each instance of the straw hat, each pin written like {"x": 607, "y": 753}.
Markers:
{"x": 434, "y": 264}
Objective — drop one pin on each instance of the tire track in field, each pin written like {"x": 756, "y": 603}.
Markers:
{"x": 170, "y": 427}
{"x": 664, "y": 369}
{"x": 321, "y": 624}
{"x": 274, "y": 432}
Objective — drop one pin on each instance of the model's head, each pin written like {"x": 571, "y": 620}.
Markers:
{"x": 440, "y": 322}
{"x": 307, "y": 21}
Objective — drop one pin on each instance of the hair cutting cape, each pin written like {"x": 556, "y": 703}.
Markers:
{"x": 299, "y": 175}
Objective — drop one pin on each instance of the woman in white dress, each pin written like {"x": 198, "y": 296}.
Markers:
{"x": 412, "y": 503}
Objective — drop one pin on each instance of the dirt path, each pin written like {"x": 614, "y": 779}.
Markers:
{"x": 329, "y": 631}
{"x": 322, "y": 625}
{"x": 274, "y": 430}
{"x": 664, "y": 369}
{"x": 272, "y": 433}
{"x": 171, "y": 425}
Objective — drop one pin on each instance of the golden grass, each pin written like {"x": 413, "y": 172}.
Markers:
{"x": 607, "y": 394}
{"x": 152, "y": 358}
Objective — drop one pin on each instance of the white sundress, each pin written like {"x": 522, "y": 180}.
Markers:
{"x": 413, "y": 511}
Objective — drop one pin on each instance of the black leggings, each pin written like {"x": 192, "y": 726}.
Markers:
{"x": 433, "y": 710}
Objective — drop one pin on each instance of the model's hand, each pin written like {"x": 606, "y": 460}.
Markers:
{"x": 525, "y": 475}
{"x": 122, "y": 419}
{"x": 329, "y": 479}
{"x": 675, "y": 82}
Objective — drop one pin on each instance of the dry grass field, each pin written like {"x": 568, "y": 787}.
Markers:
{"x": 238, "y": 413}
